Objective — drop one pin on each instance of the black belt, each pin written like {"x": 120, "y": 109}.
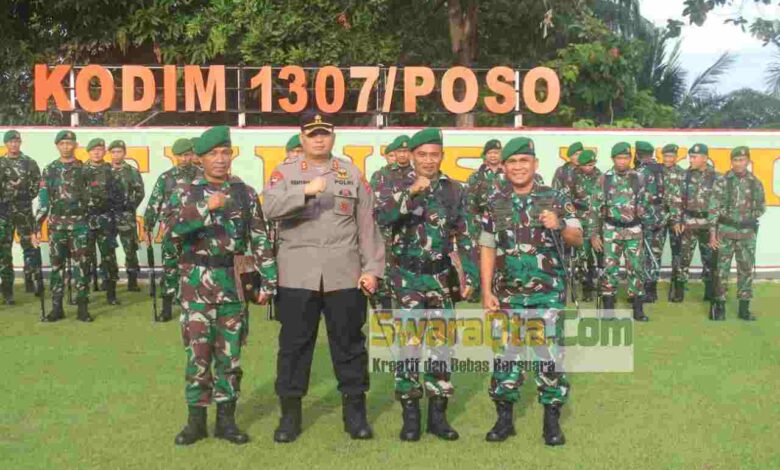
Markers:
{"x": 621, "y": 224}
{"x": 421, "y": 266}
{"x": 697, "y": 214}
{"x": 751, "y": 224}
{"x": 207, "y": 261}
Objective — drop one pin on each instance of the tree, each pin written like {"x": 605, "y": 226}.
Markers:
{"x": 700, "y": 101}
{"x": 697, "y": 12}
{"x": 745, "y": 109}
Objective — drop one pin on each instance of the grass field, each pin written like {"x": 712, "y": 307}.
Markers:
{"x": 110, "y": 395}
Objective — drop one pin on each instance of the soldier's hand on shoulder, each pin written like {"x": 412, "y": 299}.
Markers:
{"x": 216, "y": 201}
{"x": 315, "y": 186}
{"x": 420, "y": 184}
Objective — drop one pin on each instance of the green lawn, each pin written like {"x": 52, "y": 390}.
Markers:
{"x": 110, "y": 395}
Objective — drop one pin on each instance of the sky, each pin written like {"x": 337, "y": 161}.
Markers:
{"x": 702, "y": 45}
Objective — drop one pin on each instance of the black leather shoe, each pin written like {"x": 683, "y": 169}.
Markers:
{"x": 437, "y": 420}
{"x": 353, "y": 413}
{"x": 410, "y": 431}
{"x": 553, "y": 435}
{"x": 504, "y": 426}
{"x": 226, "y": 424}
{"x": 195, "y": 429}
{"x": 290, "y": 423}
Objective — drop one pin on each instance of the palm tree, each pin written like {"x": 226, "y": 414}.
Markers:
{"x": 662, "y": 71}
{"x": 773, "y": 77}
{"x": 701, "y": 100}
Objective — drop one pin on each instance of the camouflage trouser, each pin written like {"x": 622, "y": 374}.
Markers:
{"x": 20, "y": 221}
{"x": 384, "y": 293}
{"x": 690, "y": 237}
{"x": 631, "y": 250}
{"x": 128, "y": 236}
{"x": 586, "y": 264}
{"x": 655, "y": 240}
{"x": 552, "y": 387}
{"x": 212, "y": 333}
{"x": 422, "y": 293}
{"x": 675, "y": 243}
{"x": 170, "y": 262}
{"x": 73, "y": 241}
{"x": 745, "y": 252}
{"x": 102, "y": 240}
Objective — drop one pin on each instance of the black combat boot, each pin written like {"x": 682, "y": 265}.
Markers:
{"x": 353, "y": 413}
{"x": 167, "y": 308}
{"x": 38, "y": 287}
{"x": 652, "y": 292}
{"x": 722, "y": 310}
{"x": 707, "y": 291}
{"x": 504, "y": 426}
{"x": 608, "y": 307}
{"x": 410, "y": 431}
{"x": 56, "y": 310}
{"x": 111, "y": 293}
{"x": 744, "y": 311}
{"x": 714, "y": 310}
{"x": 103, "y": 284}
{"x": 437, "y": 419}
{"x": 8, "y": 291}
{"x": 195, "y": 429}
{"x": 639, "y": 313}
{"x": 226, "y": 424}
{"x": 132, "y": 282}
{"x": 83, "y": 313}
{"x": 553, "y": 435}
{"x": 290, "y": 423}
{"x": 679, "y": 292}
{"x": 29, "y": 285}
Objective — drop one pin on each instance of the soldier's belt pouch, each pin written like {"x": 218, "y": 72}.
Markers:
{"x": 251, "y": 283}
{"x": 207, "y": 261}
{"x": 621, "y": 224}
{"x": 421, "y": 266}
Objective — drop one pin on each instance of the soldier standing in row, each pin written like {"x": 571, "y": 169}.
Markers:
{"x": 652, "y": 174}
{"x": 738, "y": 202}
{"x": 63, "y": 201}
{"x": 482, "y": 182}
{"x": 424, "y": 211}
{"x": 585, "y": 183}
{"x": 293, "y": 147}
{"x": 216, "y": 218}
{"x": 673, "y": 179}
{"x": 183, "y": 172}
{"x": 21, "y": 187}
{"x": 104, "y": 196}
{"x": 621, "y": 206}
{"x": 564, "y": 174}
{"x": 132, "y": 186}
{"x": 329, "y": 249}
{"x": 694, "y": 219}
{"x": 519, "y": 253}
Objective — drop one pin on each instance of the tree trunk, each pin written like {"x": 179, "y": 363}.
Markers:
{"x": 463, "y": 37}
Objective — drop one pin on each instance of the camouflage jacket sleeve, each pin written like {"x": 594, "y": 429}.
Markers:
{"x": 282, "y": 201}
{"x": 464, "y": 231}
{"x": 715, "y": 204}
{"x": 376, "y": 179}
{"x": 672, "y": 198}
{"x": 596, "y": 207}
{"x": 394, "y": 203}
{"x": 645, "y": 209}
{"x": 136, "y": 189}
{"x": 370, "y": 241}
{"x": 43, "y": 201}
{"x": 34, "y": 180}
{"x": 154, "y": 205}
{"x": 262, "y": 246}
{"x": 557, "y": 180}
{"x": 759, "y": 199}
{"x": 190, "y": 216}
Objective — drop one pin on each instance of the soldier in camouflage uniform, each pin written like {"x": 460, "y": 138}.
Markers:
{"x": 184, "y": 172}
{"x": 398, "y": 167}
{"x": 133, "y": 188}
{"x": 621, "y": 206}
{"x": 673, "y": 179}
{"x": 694, "y": 218}
{"x": 653, "y": 176}
{"x": 737, "y": 204}
{"x": 104, "y": 196}
{"x": 522, "y": 269}
{"x": 483, "y": 182}
{"x": 564, "y": 174}
{"x": 22, "y": 178}
{"x": 293, "y": 148}
{"x": 217, "y": 217}
{"x": 63, "y": 200}
{"x": 424, "y": 211}
{"x": 6, "y": 260}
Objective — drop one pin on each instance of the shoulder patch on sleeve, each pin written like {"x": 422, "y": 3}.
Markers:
{"x": 276, "y": 177}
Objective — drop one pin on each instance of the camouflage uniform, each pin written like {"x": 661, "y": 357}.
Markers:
{"x": 673, "y": 181}
{"x": 21, "y": 179}
{"x": 564, "y": 176}
{"x": 653, "y": 232}
{"x": 529, "y": 275}
{"x": 421, "y": 229}
{"x": 617, "y": 215}
{"x": 6, "y": 260}
{"x": 697, "y": 187}
{"x": 132, "y": 186}
{"x": 63, "y": 199}
{"x": 737, "y": 203}
{"x": 581, "y": 193}
{"x": 104, "y": 197}
{"x": 214, "y": 321}
{"x": 156, "y": 212}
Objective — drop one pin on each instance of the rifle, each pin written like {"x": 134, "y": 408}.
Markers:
{"x": 599, "y": 279}
{"x": 568, "y": 273}
{"x": 152, "y": 279}
{"x": 93, "y": 248}
{"x": 39, "y": 287}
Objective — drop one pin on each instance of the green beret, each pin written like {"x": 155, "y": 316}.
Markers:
{"x": 586, "y": 157}
{"x": 217, "y": 136}
{"x": 516, "y": 146}
{"x": 293, "y": 143}
{"x": 96, "y": 142}
{"x": 117, "y": 144}
{"x": 181, "y": 146}
{"x": 64, "y": 135}
{"x": 670, "y": 148}
{"x": 740, "y": 152}
{"x": 644, "y": 147}
{"x": 574, "y": 148}
{"x": 400, "y": 142}
{"x": 10, "y": 135}
{"x": 431, "y": 135}
{"x": 492, "y": 144}
{"x": 700, "y": 149}
{"x": 621, "y": 148}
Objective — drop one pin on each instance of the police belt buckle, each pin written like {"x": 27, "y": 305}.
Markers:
{"x": 248, "y": 279}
